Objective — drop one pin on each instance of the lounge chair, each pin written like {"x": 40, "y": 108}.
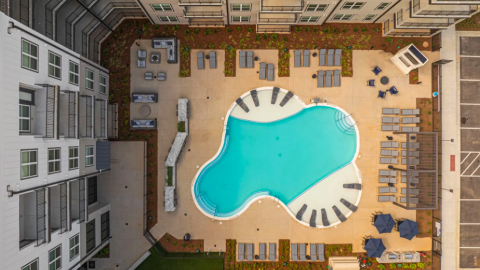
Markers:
{"x": 413, "y": 180}
{"x": 330, "y": 57}
{"x": 263, "y": 71}
{"x": 313, "y": 219}
{"x": 303, "y": 252}
{"x": 410, "y": 120}
{"x": 301, "y": 212}
{"x": 350, "y": 206}
{"x": 395, "y": 111}
{"x": 148, "y": 76}
{"x": 353, "y": 186}
{"x": 387, "y": 180}
{"x": 328, "y": 78}
{"x": 275, "y": 94}
{"x": 393, "y": 153}
{"x": 338, "y": 57}
{"x": 389, "y": 144}
{"x": 141, "y": 63}
{"x": 384, "y": 160}
{"x": 213, "y": 59}
{"x": 321, "y": 57}
{"x": 241, "y": 251}
{"x": 294, "y": 252}
{"x": 321, "y": 78}
{"x": 270, "y": 74}
{"x": 412, "y": 161}
{"x": 272, "y": 251}
{"x": 412, "y": 145}
{"x": 162, "y": 76}
{"x": 382, "y": 94}
{"x": 262, "y": 251}
{"x": 410, "y": 111}
{"x": 313, "y": 252}
{"x": 200, "y": 60}
{"x": 242, "y": 104}
{"x": 376, "y": 70}
{"x": 393, "y": 90}
{"x": 390, "y": 127}
{"x": 413, "y": 191}
{"x": 285, "y": 99}
{"x": 242, "y": 59}
{"x": 250, "y": 59}
{"x": 142, "y": 54}
{"x": 390, "y": 120}
{"x": 336, "y": 77}
{"x": 385, "y": 198}
{"x": 382, "y": 190}
{"x": 325, "y": 218}
{"x": 404, "y": 173}
{"x": 321, "y": 252}
{"x": 254, "y": 95}
{"x": 410, "y": 129}
{"x": 297, "y": 58}
{"x": 250, "y": 251}
{"x": 306, "y": 58}
{"x": 388, "y": 173}
{"x": 339, "y": 214}
{"x": 411, "y": 153}
{"x": 371, "y": 83}
{"x": 412, "y": 200}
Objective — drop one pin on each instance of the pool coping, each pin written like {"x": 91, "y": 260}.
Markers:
{"x": 305, "y": 106}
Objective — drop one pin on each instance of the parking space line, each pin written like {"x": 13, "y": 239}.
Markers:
{"x": 465, "y": 158}
{"x": 470, "y": 164}
{"x": 470, "y": 104}
{"x": 470, "y": 176}
{"x": 475, "y": 170}
{"x": 470, "y": 128}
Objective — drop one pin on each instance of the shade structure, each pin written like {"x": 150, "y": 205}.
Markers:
{"x": 384, "y": 223}
{"x": 408, "y": 229}
{"x": 375, "y": 248}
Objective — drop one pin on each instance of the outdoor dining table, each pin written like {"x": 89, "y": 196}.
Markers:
{"x": 384, "y": 80}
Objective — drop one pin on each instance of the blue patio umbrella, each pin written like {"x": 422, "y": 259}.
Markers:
{"x": 408, "y": 229}
{"x": 384, "y": 223}
{"x": 375, "y": 248}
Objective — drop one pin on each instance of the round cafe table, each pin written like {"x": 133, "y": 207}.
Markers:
{"x": 384, "y": 80}
{"x": 145, "y": 110}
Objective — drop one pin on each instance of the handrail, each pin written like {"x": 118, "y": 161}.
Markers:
{"x": 275, "y": 20}
{"x": 203, "y": 13}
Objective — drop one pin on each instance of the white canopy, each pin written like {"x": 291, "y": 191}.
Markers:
{"x": 344, "y": 263}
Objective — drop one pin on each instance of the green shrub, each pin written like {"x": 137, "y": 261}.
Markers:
{"x": 215, "y": 31}
{"x": 196, "y": 31}
{"x": 207, "y": 32}
{"x": 265, "y": 36}
{"x": 364, "y": 29}
{"x": 421, "y": 265}
{"x": 184, "y": 245}
{"x": 175, "y": 243}
{"x": 275, "y": 36}
{"x": 326, "y": 30}
{"x": 375, "y": 29}
{"x": 381, "y": 266}
{"x": 335, "y": 31}
{"x": 393, "y": 266}
{"x": 250, "y": 30}
{"x": 355, "y": 29}
{"x": 298, "y": 29}
{"x": 229, "y": 29}
{"x": 239, "y": 28}
{"x": 389, "y": 39}
{"x": 344, "y": 30}
{"x": 176, "y": 27}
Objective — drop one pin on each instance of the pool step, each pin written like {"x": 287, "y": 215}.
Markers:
{"x": 242, "y": 105}
{"x": 343, "y": 124}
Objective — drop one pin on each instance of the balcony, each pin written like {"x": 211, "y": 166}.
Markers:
{"x": 279, "y": 6}
{"x": 86, "y": 116}
{"x": 455, "y": 2}
{"x": 32, "y": 219}
{"x": 275, "y": 18}
{"x": 112, "y": 124}
{"x": 203, "y": 12}
{"x": 57, "y": 205}
{"x": 271, "y": 28}
{"x": 403, "y": 20}
{"x": 100, "y": 118}
{"x": 206, "y": 22}
{"x": 199, "y": 2}
{"x": 68, "y": 114}
{"x": 77, "y": 200}
{"x": 39, "y": 112}
{"x": 422, "y": 9}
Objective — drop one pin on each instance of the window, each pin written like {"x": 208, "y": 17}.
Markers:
{"x": 88, "y": 156}
{"x": 74, "y": 247}
{"x": 411, "y": 59}
{"x": 29, "y": 55}
{"x": 240, "y": 18}
{"x": 24, "y": 118}
{"x": 73, "y": 158}
{"x": 369, "y": 17}
{"x": 162, "y": 7}
{"x": 342, "y": 17}
{"x": 31, "y": 265}
{"x": 92, "y": 190}
{"x": 90, "y": 236}
{"x": 27, "y": 97}
{"x": 400, "y": 16}
{"x": 105, "y": 225}
{"x": 89, "y": 79}
{"x": 168, "y": 18}
{"x": 353, "y": 5}
{"x": 54, "y": 65}
{"x": 383, "y": 5}
{"x": 103, "y": 84}
{"x": 29, "y": 163}
{"x": 309, "y": 19}
{"x": 55, "y": 258}
{"x": 241, "y": 7}
{"x": 317, "y": 7}
{"x": 73, "y": 72}
{"x": 54, "y": 160}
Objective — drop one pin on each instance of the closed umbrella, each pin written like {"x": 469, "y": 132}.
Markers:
{"x": 375, "y": 248}
{"x": 384, "y": 223}
{"x": 408, "y": 229}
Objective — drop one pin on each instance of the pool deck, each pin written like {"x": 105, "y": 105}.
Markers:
{"x": 211, "y": 94}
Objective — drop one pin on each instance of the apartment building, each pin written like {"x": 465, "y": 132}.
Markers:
{"x": 54, "y": 152}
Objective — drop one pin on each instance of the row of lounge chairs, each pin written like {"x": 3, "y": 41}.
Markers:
{"x": 389, "y": 160}
{"x": 394, "y": 153}
{"x": 212, "y": 60}
{"x": 266, "y": 74}
{"x": 394, "y": 144}
{"x": 317, "y": 252}
{"x": 392, "y": 198}
{"x": 330, "y": 57}
{"x": 405, "y": 120}
{"x": 396, "y": 111}
{"x": 397, "y": 128}
{"x": 324, "y": 79}
{"x": 298, "y": 58}
{"x": 246, "y": 59}
{"x": 338, "y": 213}
{"x": 262, "y": 249}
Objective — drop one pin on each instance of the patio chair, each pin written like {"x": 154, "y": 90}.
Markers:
{"x": 141, "y": 63}
{"x": 262, "y": 251}
{"x": 313, "y": 252}
{"x": 371, "y": 83}
{"x": 393, "y": 90}
{"x": 411, "y": 200}
{"x": 272, "y": 251}
{"x": 275, "y": 94}
{"x": 321, "y": 79}
{"x": 162, "y": 76}
{"x": 388, "y": 160}
{"x": 390, "y": 120}
{"x": 249, "y": 59}
{"x": 339, "y": 214}
{"x": 410, "y": 129}
{"x": 250, "y": 251}
{"x": 321, "y": 57}
{"x": 142, "y": 54}
{"x": 303, "y": 252}
{"x": 270, "y": 74}
{"x": 376, "y": 70}
{"x": 412, "y": 161}
{"x": 353, "y": 186}
{"x": 263, "y": 71}
{"x": 254, "y": 95}
{"x": 313, "y": 219}
{"x": 148, "y": 76}
{"x": 382, "y": 190}
{"x": 297, "y": 58}
{"x": 328, "y": 78}
{"x": 286, "y": 98}
{"x": 350, "y": 206}
{"x": 242, "y": 59}
{"x": 388, "y": 173}
{"x": 385, "y": 198}
{"x": 413, "y": 191}
{"x": 338, "y": 57}
{"x": 330, "y": 57}
{"x": 410, "y": 120}
{"x": 393, "y": 153}
{"x": 213, "y": 59}
{"x": 413, "y": 180}
{"x": 306, "y": 58}
{"x": 301, "y": 212}
{"x": 411, "y": 153}
{"x": 200, "y": 60}
{"x": 390, "y": 144}
{"x": 321, "y": 252}
{"x": 241, "y": 251}
{"x": 395, "y": 111}
{"x": 324, "y": 218}
{"x": 294, "y": 252}
{"x": 412, "y": 145}
{"x": 390, "y": 127}
{"x": 382, "y": 94}
{"x": 387, "y": 180}
{"x": 336, "y": 77}
{"x": 410, "y": 111}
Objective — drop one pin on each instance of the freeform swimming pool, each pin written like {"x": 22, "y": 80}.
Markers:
{"x": 283, "y": 159}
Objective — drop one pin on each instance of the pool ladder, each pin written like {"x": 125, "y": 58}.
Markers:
{"x": 275, "y": 198}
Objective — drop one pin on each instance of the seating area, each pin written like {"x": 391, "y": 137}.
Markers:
{"x": 211, "y": 57}
{"x": 332, "y": 57}
{"x": 396, "y": 119}
{"x": 266, "y": 72}
{"x": 324, "y": 78}
{"x": 246, "y": 252}
{"x": 145, "y": 97}
{"x": 298, "y": 58}
{"x": 299, "y": 252}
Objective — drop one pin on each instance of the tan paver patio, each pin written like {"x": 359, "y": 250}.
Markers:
{"x": 211, "y": 94}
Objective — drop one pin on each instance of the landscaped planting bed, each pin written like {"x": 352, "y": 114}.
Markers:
{"x": 172, "y": 244}
{"x": 469, "y": 24}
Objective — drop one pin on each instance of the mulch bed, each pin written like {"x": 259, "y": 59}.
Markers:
{"x": 103, "y": 253}
{"x": 426, "y": 262}
{"x": 469, "y": 24}
{"x": 172, "y": 244}
{"x": 413, "y": 76}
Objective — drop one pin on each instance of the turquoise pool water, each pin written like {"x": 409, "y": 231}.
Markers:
{"x": 282, "y": 158}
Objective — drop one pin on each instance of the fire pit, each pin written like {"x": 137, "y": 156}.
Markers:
{"x": 155, "y": 58}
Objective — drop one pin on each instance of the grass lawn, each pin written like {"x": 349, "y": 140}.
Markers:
{"x": 158, "y": 261}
